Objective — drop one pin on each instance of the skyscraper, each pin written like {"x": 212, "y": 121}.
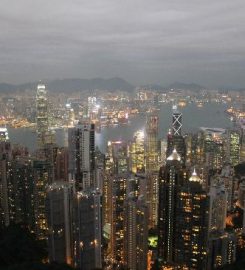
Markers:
{"x": 41, "y": 170}
{"x": 44, "y": 134}
{"x": 59, "y": 207}
{"x": 171, "y": 178}
{"x": 175, "y": 140}
{"x": 87, "y": 222}
{"x": 5, "y": 188}
{"x": 176, "y": 121}
{"x": 191, "y": 242}
{"x": 81, "y": 140}
{"x": 152, "y": 154}
{"x": 135, "y": 232}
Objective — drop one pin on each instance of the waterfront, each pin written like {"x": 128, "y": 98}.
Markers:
{"x": 210, "y": 115}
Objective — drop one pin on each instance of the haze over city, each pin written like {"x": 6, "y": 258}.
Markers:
{"x": 141, "y": 41}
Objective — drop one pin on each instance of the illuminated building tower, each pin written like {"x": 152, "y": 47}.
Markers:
{"x": 59, "y": 207}
{"x": 114, "y": 194}
{"x": 137, "y": 153}
{"x": 221, "y": 249}
{"x": 152, "y": 167}
{"x": 171, "y": 178}
{"x": 214, "y": 147}
{"x": 175, "y": 138}
{"x": 44, "y": 134}
{"x": 42, "y": 170}
{"x": 22, "y": 183}
{"x": 221, "y": 244}
{"x": 218, "y": 207}
{"x": 81, "y": 140}
{"x": 190, "y": 244}
{"x": 242, "y": 146}
{"x": 117, "y": 226}
{"x": 176, "y": 142}
{"x": 135, "y": 232}
{"x": 91, "y": 107}
{"x": 5, "y": 185}
{"x": 4, "y": 134}
{"x": 87, "y": 222}
{"x": 233, "y": 151}
{"x": 176, "y": 122}
{"x": 151, "y": 143}
{"x": 58, "y": 159}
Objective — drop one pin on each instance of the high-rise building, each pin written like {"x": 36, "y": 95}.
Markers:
{"x": 4, "y": 134}
{"x": 214, "y": 146}
{"x": 21, "y": 194}
{"x": 175, "y": 140}
{"x": 218, "y": 207}
{"x": 41, "y": 170}
{"x": 44, "y": 134}
{"x": 135, "y": 232}
{"x": 233, "y": 151}
{"x": 152, "y": 155}
{"x": 192, "y": 224}
{"x": 171, "y": 178}
{"x": 81, "y": 140}
{"x": 59, "y": 207}
{"x": 176, "y": 121}
{"x": 87, "y": 222}
{"x": 5, "y": 187}
{"x": 221, "y": 249}
{"x": 137, "y": 153}
{"x": 183, "y": 218}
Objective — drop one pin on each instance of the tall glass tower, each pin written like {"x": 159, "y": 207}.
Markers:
{"x": 44, "y": 134}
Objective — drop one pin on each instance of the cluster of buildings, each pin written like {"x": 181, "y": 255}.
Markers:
{"x": 98, "y": 211}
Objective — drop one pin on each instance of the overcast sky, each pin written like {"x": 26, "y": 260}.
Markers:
{"x": 142, "y": 41}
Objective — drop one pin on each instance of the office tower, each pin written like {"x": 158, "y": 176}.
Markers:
{"x": 151, "y": 143}
{"x": 214, "y": 147}
{"x": 227, "y": 178}
{"x": 163, "y": 156}
{"x": 152, "y": 167}
{"x": 242, "y": 141}
{"x": 81, "y": 140}
{"x": 99, "y": 170}
{"x": 117, "y": 225}
{"x": 59, "y": 207}
{"x": 87, "y": 230}
{"x": 218, "y": 207}
{"x": 4, "y": 134}
{"x": 135, "y": 232}
{"x": 137, "y": 153}
{"x": 5, "y": 187}
{"x": 57, "y": 157}
{"x": 44, "y": 134}
{"x": 171, "y": 178}
{"x": 194, "y": 149}
{"x": 176, "y": 121}
{"x": 41, "y": 170}
{"x": 191, "y": 239}
{"x": 241, "y": 195}
{"x": 22, "y": 187}
{"x": 91, "y": 107}
{"x": 175, "y": 140}
{"x": 233, "y": 151}
{"x": 221, "y": 249}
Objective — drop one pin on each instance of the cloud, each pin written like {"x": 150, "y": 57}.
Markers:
{"x": 143, "y": 41}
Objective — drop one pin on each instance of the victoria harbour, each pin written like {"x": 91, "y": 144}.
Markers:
{"x": 193, "y": 119}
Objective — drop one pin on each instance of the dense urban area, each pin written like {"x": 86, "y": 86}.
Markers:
{"x": 153, "y": 199}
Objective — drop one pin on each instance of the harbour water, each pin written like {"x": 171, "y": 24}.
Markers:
{"x": 210, "y": 115}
